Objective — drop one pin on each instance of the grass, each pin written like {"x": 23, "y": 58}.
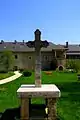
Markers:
{"x": 68, "y": 106}
{"x": 5, "y": 75}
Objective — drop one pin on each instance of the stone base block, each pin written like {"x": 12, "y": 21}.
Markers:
{"x": 24, "y": 109}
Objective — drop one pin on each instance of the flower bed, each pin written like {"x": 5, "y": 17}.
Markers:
{"x": 48, "y": 72}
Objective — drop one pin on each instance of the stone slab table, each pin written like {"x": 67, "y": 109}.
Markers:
{"x": 50, "y": 92}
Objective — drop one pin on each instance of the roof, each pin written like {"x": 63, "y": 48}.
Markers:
{"x": 22, "y": 47}
{"x": 73, "y": 48}
{"x": 73, "y": 53}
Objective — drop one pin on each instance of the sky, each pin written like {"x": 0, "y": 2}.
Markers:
{"x": 58, "y": 20}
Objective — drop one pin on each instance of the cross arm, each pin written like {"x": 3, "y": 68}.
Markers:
{"x": 30, "y": 44}
{"x": 44, "y": 43}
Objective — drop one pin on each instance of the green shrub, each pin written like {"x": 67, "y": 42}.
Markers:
{"x": 78, "y": 73}
{"x": 27, "y": 73}
{"x": 21, "y": 70}
{"x": 69, "y": 71}
{"x": 3, "y": 71}
{"x": 73, "y": 64}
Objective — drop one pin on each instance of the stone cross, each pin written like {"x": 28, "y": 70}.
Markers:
{"x": 37, "y": 44}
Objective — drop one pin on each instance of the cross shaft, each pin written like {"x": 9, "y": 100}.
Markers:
{"x": 37, "y": 44}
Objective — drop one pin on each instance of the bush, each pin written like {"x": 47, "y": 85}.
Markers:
{"x": 3, "y": 71}
{"x": 21, "y": 70}
{"x": 78, "y": 75}
{"x": 69, "y": 71}
{"x": 73, "y": 64}
{"x": 27, "y": 73}
{"x": 78, "y": 72}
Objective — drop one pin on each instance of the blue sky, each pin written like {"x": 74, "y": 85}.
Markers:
{"x": 58, "y": 20}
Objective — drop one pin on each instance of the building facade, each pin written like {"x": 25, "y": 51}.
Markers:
{"x": 25, "y": 56}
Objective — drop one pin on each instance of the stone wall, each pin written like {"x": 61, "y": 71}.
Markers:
{"x": 27, "y": 60}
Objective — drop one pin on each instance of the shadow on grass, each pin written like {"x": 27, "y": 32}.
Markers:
{"x": 69, "y": 86}
{"x": 11, "y": 114}
{"x": 37, "y": 112}
{"x": 70, "y": 91}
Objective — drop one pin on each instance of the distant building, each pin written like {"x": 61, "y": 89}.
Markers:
{"x": 25, "y": 56}
{"x": 73, "y": 52}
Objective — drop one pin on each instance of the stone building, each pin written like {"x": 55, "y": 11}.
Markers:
{"x": 73, "y": 51}
{"x": 25, "y": 56}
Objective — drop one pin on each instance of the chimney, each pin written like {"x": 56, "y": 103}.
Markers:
{"x": 15, "y": 41}
{"x": 23, "y": 41}
{"x": 66, "y": 44}
{"x": 2, "y": 41}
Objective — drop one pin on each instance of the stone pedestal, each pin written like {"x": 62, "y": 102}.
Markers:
{"x": 25, "y": 108}
{"x": 48, "y": 92}
{"x": 52, "y": 114}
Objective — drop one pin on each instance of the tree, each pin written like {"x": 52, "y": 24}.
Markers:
{"x": 6, "y": 60}
{"x": 73, "y": 64}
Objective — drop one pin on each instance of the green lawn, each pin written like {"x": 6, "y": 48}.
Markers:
{"x": 68, "y": 106}
{"x": 5, "y": 75}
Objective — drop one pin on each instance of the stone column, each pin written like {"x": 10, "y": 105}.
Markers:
{"x": 55, "y": 54}
{"x": 52, "y": 114}
{"x": 38, "y": 68}
{"x": 65, "y": 55}
{"x": 24, "y": 109}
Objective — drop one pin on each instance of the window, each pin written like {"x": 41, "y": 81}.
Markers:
{"x": 45, "y": 57}
{"x": 30, "y": 57}
{"x": 58, "y": 56}
{"x": 16, "y": 56}
{"x": 49, "y": 57}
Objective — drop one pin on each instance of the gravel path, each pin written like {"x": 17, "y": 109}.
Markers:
{"x": 9, "y": 79}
